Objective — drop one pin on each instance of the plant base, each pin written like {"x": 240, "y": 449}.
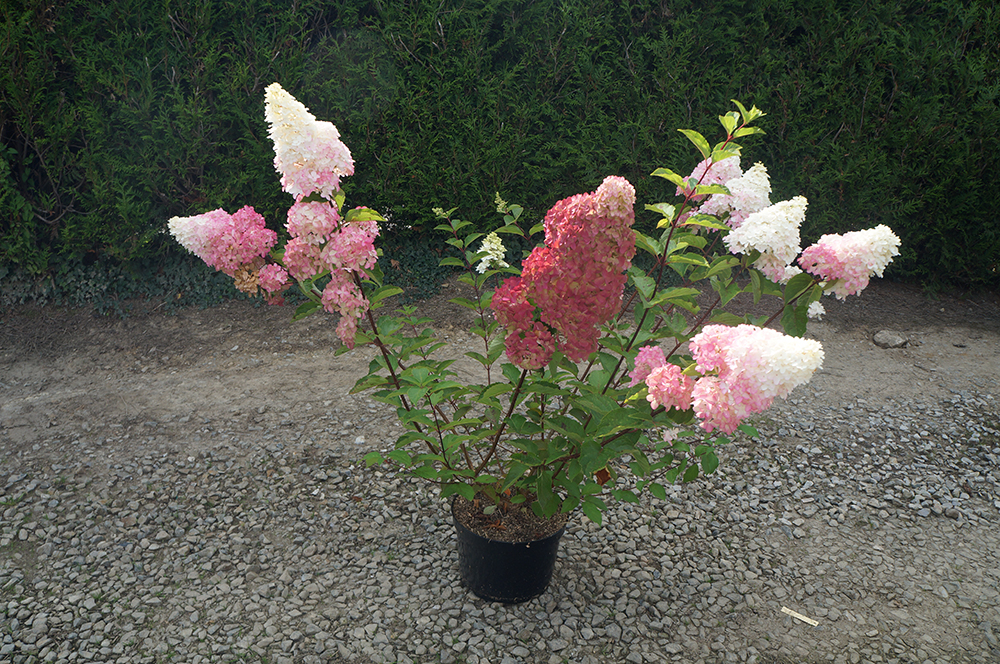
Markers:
{"x": 508, "y": 572}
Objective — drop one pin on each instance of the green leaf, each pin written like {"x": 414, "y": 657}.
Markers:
{"x": 727, "y": 290}
{"x": 547, "y": 500}
{"x": 691, "y": 474}
{"x": 666, "y": 209}
{"x": 597, "y": 403}
{"x": 795, "y": 319}
{"x": 748, "y": 116}
{"x": 657, "y": 490}
{"x": 651, "y": 246}
{"x": 797, "y": 285}
{"x": 511, "y": 373}
{"x": 615, "y": 421}
{"x": 374, "y": 459}
{"x": 451, "y": 260}
{"x": 516, "y": 472}
{"x": 306, "y": 309}
{"x": 401, "y": 457}
{"x": 384, "y": 292}
{"x": 497, "y": 388}
{"x": 705, "y": 220}
{"x": 668, "y": 174}
{"x": 426, "y": 472}
{"x": 720, "y": 265}
{"x": 689, "y": 259}
{"x": 729, "y": 121}
{"x": 726, "y": 318}
{"x": 721, "y": 153}
{"x": 625, "y": 496}
{"x": 592, "y": 511}
{"x": 711, "y": 189}
{"x": 699, "y": 142}
{"x": 747, "y": 131}
{"x": 644, "y": 284}
{"x": 362, "y": 214}
{"x": 709, "y": 462}
{"x": 749, "y": 430}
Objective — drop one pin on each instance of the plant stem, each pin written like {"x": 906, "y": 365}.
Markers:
{"x": 503, "y": 423}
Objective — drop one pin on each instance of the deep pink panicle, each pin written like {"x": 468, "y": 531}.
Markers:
{"x": 574, "y": 282}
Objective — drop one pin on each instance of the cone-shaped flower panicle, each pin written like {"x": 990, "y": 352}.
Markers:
{"x": 224, "y": 241}
{"x": 495, "y": 254}
{"x": 774, "y": 232}
{"x": 744, "y": 369}
{"x": 572, "y": 283}
{"x": 309, "y": 154}
{"x": 852, "y": 258}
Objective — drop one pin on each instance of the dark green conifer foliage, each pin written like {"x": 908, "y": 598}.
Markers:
{"x": 116, "y": 116}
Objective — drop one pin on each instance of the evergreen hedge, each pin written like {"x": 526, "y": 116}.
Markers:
{"x": 115, "y": 117}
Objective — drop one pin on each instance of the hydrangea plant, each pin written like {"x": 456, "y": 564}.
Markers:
{"x": 591, "y": 366}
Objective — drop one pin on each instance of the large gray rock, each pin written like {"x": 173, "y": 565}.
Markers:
{"x": 890, "y": 339}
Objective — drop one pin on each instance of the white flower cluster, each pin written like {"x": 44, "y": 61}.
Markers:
{"x": 309, "y": 154}
{"x": 882, "y": 245}
{"x": 776, "y": 362}
{"x": 774, "y": 232}
{"x": 495, "y": 253}
{"x": 748, "y": 193}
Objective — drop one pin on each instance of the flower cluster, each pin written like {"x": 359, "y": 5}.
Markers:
{"x": 748, "y": 193}
{"x": 495, "y": 253}
{"x": 322, "y": 242}
{"x": 309, "y": 154}
{"x": 742, "y": 370}
{"x": 851, "y": 258}
{"x": 572, "y": 283}
{"x": 713, "y": 172}
{"x": 774, "y": 232}
{"x": 311, "y": 159}
{"x": 227, "y": 242}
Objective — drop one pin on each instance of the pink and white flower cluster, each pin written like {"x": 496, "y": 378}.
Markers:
{"x": 322, "y": 242}
{"x": 225, "y": 241}
{"x": 309, "y": 154}
{"x": 749, "y": 192}
{"x": 311, "y": 159}
{"x": 742, "y": 370}
{"x": 852, "y": 258}
{"x": 572, "y": 283}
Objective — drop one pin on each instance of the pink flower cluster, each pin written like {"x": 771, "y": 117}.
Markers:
{"x": 667, "y": 386}
{"x": 225, "y": 241}
{"x": 709, "y": 172}
{"x": 572, "y": 283}
{"x": 851, "y": 259}
{"x": 324, "y": 242}
{"x": 749, "y": 192}
{"x": 309, "y": 154}
{"x": 743, "y": 369}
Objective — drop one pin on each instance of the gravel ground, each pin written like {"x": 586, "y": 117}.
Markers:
{"x": 876, "y": 521}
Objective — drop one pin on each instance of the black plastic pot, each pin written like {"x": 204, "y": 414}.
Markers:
{"x": 508, "y": 572}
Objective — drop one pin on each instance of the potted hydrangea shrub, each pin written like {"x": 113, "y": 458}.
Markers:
{"x": 599, "y": 380}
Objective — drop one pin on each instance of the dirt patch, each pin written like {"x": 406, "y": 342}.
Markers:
{"x": 178, "y": 380}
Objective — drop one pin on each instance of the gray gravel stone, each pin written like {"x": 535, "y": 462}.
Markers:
{"x": 878, "y": 521}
